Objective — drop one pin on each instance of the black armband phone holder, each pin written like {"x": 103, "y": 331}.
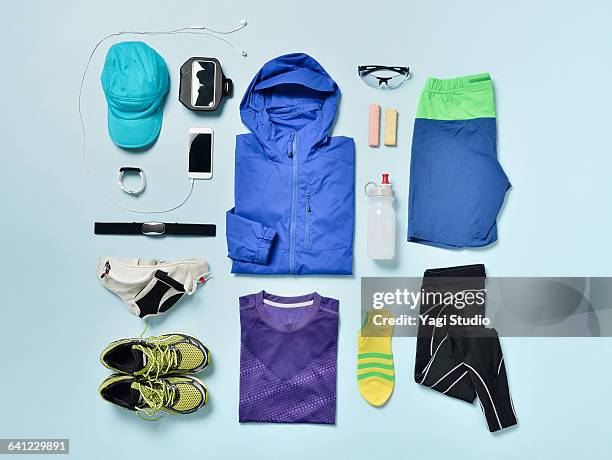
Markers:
{"x": 203, "y": 84}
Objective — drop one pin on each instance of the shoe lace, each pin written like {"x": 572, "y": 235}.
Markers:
{"x": 155, "y": 395}
{"x": 160, "y": 359}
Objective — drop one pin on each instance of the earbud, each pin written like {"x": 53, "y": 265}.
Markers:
{"x": 215, "y": 33}
{"x": 241, "y": 24}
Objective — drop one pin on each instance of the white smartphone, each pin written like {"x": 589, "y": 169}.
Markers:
{"x": 200, "y": 159}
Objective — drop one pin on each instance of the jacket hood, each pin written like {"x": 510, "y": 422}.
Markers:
{"x": 292, "y": 96}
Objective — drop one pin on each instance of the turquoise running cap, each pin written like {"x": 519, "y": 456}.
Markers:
{"x": 135, "y": 81}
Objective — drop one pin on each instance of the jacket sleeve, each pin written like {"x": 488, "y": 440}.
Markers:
{"x": 247, "y": 240}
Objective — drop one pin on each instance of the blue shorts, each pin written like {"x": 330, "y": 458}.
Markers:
{"x": 457, "y": 186}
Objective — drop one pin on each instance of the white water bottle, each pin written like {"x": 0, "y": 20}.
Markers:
{"x": 381, "y": 220}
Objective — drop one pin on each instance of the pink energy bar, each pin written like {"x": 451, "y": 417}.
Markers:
{"x": 374, "y": 135}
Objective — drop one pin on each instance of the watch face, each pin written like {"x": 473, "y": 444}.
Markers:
{"x": 203, "y": 79}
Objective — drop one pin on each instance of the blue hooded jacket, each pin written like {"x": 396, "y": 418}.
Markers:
{"x": 294, "y": 184}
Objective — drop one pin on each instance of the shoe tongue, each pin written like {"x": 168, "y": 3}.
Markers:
{"x": 135, "y": 395}
{"x": 140, "y": 359}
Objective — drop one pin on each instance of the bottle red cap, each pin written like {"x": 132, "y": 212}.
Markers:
{"x": 385, "y": 179}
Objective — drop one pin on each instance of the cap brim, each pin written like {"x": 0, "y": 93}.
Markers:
{"x": 130, "y": 133}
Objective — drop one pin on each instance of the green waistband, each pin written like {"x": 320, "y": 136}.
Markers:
{"x": 450, "y": 85}
{"x": 461, "y": 98}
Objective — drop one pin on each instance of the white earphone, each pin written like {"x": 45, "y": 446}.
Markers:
{"x": 241, "y": 24}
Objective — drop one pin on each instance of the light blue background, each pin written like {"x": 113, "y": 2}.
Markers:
{"x": 550, "y": 62}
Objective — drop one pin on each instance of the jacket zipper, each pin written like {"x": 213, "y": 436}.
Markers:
{"x": 307, "y": 221}
{"x": 293, "y": 155}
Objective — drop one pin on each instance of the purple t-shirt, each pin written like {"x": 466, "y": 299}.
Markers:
{"x": 288, "y": 358}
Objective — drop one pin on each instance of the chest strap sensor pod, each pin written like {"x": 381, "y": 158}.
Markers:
{"x": 203, "y": 85}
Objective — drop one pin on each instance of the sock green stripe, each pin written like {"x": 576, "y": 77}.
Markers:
{"x": 379, "y": 365}
{"x": 374, "y": 355}
{"x": 375, "y": 374}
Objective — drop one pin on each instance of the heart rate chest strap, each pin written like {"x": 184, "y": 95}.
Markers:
{"x": 154, "y": 229}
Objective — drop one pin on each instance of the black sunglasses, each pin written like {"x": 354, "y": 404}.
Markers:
{"x": 382, "y": 76}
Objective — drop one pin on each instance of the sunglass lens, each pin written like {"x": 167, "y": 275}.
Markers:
{"x": 382, "y": 78}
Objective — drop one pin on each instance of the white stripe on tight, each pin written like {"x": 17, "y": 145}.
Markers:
{"x": 484, "y": 415}
{"x": 488, "y": 392}
{"x": 433, "y": 333}
{"x": 511, "y": 402}
{"x": 512, "y": 405}
{"x": 446, "y": 375}
{"x": 453, "y": 384}
{"x": 426, "y": 370}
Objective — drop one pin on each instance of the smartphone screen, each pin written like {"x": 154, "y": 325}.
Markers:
{"x": 203, "y": 83}
{"x": 200, "y": 154}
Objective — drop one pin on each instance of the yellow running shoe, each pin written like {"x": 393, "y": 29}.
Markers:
{"x": 181, "y": 394}
{"x": 156, "y": 356}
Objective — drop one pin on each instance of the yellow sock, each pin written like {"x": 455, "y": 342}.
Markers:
{"x": 375, "y": 374}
